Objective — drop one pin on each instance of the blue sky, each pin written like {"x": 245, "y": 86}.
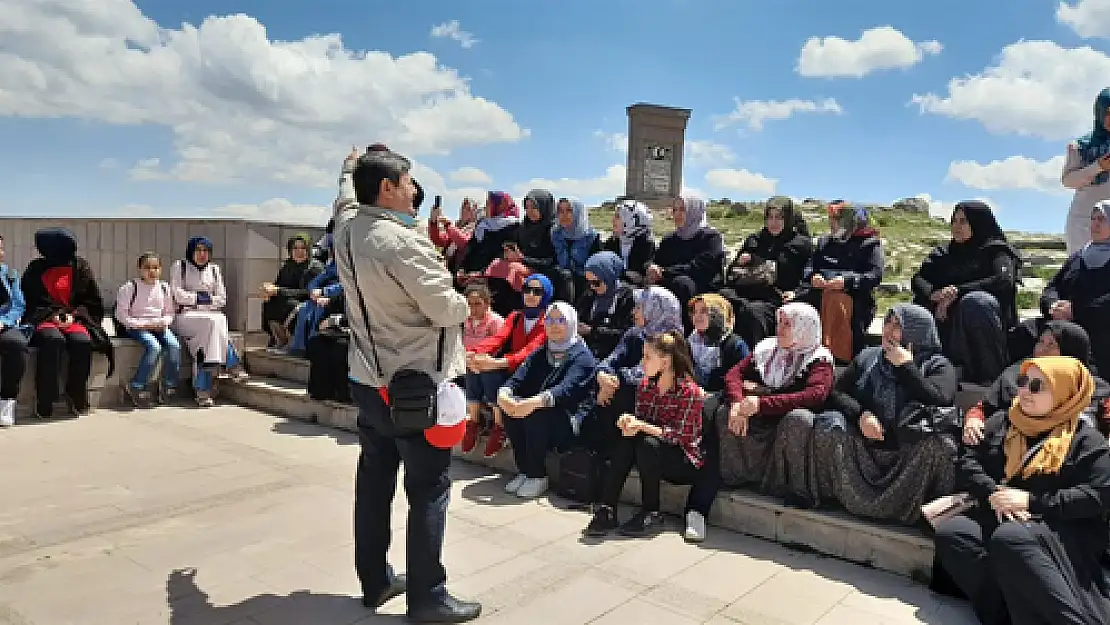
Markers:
{"x": 247, "y": 108}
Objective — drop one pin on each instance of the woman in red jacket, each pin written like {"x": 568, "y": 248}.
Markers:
{"x": 490, "y": 363}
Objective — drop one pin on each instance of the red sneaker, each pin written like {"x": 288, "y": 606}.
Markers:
{"x": 496, "y": 441}
{"x": 470, "y": 437}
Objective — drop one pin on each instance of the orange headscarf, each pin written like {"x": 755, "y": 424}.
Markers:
{"x": 1072, "y": 387}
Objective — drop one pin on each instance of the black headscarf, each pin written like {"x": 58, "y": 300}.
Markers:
{"x": 984, "y": 227}
{"x": 58, "y": 246}
{"x": 191, "y": 249}
{"x": 1073, "y": 341}
{"x": 534, "y": 237}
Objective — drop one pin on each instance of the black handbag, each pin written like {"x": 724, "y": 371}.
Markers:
{"x": 412, "y": 394}
{"x": 918, "y": 422}
{"x": 755, "y": 274}
{"x": 580, "y": 474}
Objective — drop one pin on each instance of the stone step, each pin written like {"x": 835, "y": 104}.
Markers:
{"x": 289, "y": 399}
{"x": 263, "y": 363}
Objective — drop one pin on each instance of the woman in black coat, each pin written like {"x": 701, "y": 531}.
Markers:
{"x": 605, "y": 309}
{"x": 289, "y": 290}
{"x": 65, "y": 308}
{"x": 500, "y": 224}
{"x": 690, "y": 260}
{"x": 970, "y": 285}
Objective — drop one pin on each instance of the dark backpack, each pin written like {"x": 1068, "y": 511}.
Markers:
{"x": 119, "y": 328}
{"x": 580, "y": 473}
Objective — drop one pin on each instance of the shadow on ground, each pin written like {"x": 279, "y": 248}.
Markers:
{"x": 314, "y": 430}
{"x": 191, "y": 605}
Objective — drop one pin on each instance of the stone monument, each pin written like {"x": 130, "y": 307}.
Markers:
{"x": 656, "y": 138}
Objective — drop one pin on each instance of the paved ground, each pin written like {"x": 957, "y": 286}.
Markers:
{"x": 230, "y": 516}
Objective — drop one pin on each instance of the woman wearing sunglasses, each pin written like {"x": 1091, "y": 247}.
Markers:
{"x": 605, "y": 309}
{"x": 541, "y": 401}
{"x": 493, "y": 360}
{"x": 1030, "y": 552}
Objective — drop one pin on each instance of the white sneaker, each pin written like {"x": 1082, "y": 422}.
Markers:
{"x": 515, "y": 483}
{"x": 7, "y": 413}
{"x": 695, "y": 527}
{"x": 532, "y": 487}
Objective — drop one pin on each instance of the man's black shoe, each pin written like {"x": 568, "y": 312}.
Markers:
{"x": 396, "y": 587}
{"x": 451, "y": 610}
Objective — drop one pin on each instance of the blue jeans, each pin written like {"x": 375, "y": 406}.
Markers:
{"x": 205, "y": 376}
{"x": 482, "y": 388}
{"x": 155, "y": 345}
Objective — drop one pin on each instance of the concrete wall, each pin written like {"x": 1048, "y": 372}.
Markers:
{"x": 248, "y": 252}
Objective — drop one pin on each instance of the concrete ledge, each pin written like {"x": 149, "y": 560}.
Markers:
{"x": 289, "y": 399}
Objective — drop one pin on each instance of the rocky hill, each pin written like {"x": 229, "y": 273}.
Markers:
{"x": 908, "y": 233}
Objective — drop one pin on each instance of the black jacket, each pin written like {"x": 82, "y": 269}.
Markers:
{"x": 607, "y": 327}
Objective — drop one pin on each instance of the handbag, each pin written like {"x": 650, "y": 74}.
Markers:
{"x": 413, "y": 394}
{"x": 918, "y": 422}
{"x": 759, "y": 274}
{"x": 580, "y": 474}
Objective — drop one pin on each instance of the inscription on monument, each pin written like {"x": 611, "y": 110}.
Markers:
{"x": 658, "y": 169}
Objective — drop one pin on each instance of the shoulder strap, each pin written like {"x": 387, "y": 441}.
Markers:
{"x": 1028, "y": 457}
{"x": 183, "y": 261}
{"x": 134, "y": 292}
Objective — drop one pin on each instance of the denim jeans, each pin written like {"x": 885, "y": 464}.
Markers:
{"x": 206, "y": 374}
{"x": 156, "y": 344}
{"x": 482, "y": 388}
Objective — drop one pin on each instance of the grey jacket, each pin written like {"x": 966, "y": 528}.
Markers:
{"x": 408, "y": 294}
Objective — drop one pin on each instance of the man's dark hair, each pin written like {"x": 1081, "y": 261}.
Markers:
{"x": 372, "y": 169}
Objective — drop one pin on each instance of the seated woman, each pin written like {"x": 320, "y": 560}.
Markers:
{"x": 321, "y": 290}
{"x": 505, "y": 278}
{"x": 840, "y": 280}
{"x": 632, "y": 239}
{"x": 289, "y": 290}
{"x": 1060, "y": 338}
{"x": 767, "y": 269}
{"x": 500, "y": 224}
{"x": 605, "y": 310}
{"x": 1031, "y": 550}
{"x": 63, "y": 302}
{"x": 327, "y": 355}
{"x": 1080, "y": 292}
{"x": 866, "y": 450}
{"x": 483, "y": 322}
{"x": 662, "y": 439}
{"x": 198, "y": 289}
{"x": 533, "y": 238}
{"x": 689, "y": 260}
{"x": 541, "y": 401}
{"x": 713, "y": 346}
{"x": 575, "y": 241}
{"x": 145, "y": 310}
{"x": 788, "y": 371}
{"x": 452, "y": 238}
{"x": 13, "y": 342}
{"x": 970, "y": 285}
{"x": 493, "y": 360}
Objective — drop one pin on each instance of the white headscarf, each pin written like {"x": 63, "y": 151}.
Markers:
{"x": 696, "y": 219}
{"x": 636, "y": 220}
{"x": 778, "y": 366}
{"x": 571, "y": 317}
{"x": 1097, "y": 253}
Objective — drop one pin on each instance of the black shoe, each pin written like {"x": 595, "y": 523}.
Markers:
{"x": 604, "y": 521}
{"x": 450, "y": 610}
{"x": 642, "y": 524}
{"x": 397, "y": 587}
{"x": 44, "y": 410}
{"x": 78, "y": 407}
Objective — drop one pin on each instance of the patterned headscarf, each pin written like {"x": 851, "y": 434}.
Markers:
{"x": 696, "y": 219}
{"x": 660, "y": 308}
{"x": 920, "y": 336}
{"x": 635, "y": 219}
{"x": 580, "y": 227}
{"x": 779, "y": 366}
{"x": 1096, "y": 144}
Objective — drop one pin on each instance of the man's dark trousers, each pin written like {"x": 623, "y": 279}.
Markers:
{"x": 428, "y": 489}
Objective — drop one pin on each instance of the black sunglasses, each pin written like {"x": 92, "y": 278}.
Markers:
{"x": 1035, "y": 385}
{"x": 534, "y": 290}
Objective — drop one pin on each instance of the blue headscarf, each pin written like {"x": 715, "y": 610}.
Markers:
{"x": 661, "y": 310}
{"x": 573, "y": 244}
{"x": 1096, "y": 144}
{"x": 191, "y": 248}
{"x": 58, "y": 246}
{"x": 608, "y": 268}
{"x": 548, "y": 295}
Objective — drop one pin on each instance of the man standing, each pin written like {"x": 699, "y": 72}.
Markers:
{"x": 399, "y": 298}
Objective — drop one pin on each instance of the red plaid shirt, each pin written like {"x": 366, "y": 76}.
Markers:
{"x": 677, "y": 412}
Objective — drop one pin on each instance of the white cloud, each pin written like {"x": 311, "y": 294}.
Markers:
{"x": 471, "y": 175}
{"x": 740, "y": 180}
{"x": 1088, "y": 18}
{"x": 708, "y": 154}
{"x": 755, "y": 112}
{"x": 943, "y": 209}
{"x": 240, "y": 105}
{"x": 883, "y": 47}
{"x": 278, "y": 210}
{"x": 605, "y": 187}
{"x": 615, "y": 141}
{"x": 1015, "y": 172}
{"x": 1035, "y": 88}
{"x": 453, "y": 30}
{"x": 694, "y": 192}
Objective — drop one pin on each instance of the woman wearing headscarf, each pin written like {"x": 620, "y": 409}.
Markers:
{"x": 198, "y": 289}
{"x": 499, "y": 225}
{"x": 1030, "y": 552}
{"x": 542, "y": 400}
{"x": 1087, "y": 170}
{"x": 13, "y": 341}
{"x": 493, "y": 360}
{"x": 605, "y": 310}
{"x": 689, "y": 260}
{"x": 289, "y": 290}
{"x": 63, "y": 302}
{"x": 575, "y": 241}
{"x": 321, "y": 291}
{"x": 970, "y": 285}
{"x": 632, "y": 239}
{"x": 452, "y": 238}
{"x": 533, "y": 239}
{"x": 785, "y": 372}
{"x": 1080, "y": 291}
{"x": 841, "y": 277}
{"x": 715, "y": 349}
{"x": 868, "y": 450}
{"x": 767, "y": 269}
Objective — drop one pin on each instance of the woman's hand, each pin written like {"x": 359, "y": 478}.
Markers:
{"x": 836, "y": 284}
{"x": 583, "y": 329}
{"x": 818, "y": 281}
{"x": 871, "y": 427}
{"x": 973, "y": 431}
{"x": 896, "y": 354}
{"x": 747, "y": 406}
{"x": 316, "y": 294}
{"x": 629, "y": 425}
{"x": 525, "y": 407}
{"x": 1008, "y": 500}
{"x": 787, "y": 297}
{"x": 737, "y": 422}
